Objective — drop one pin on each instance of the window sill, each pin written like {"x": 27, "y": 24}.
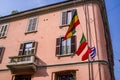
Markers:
{"x": 66, "y": 25}
{"x": 64, "y": 55}
{"x": 3, "y": 37}
{"x": 30, "y": 32}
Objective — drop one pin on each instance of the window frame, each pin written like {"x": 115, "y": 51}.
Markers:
{"x": 22, "y": 48}
{"x": 2, "y": 49}
{"x": 59, "y": 46}
{"x": 66, "y": 72}
{"x": 5, "y": 31}
{"x": 64, "y": 44}
{"x": 22, "y": 76}
{"x": 64, "y": 15}
{"x": 35, "y": 28}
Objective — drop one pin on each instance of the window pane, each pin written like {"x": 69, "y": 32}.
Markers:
{"x": 32, "y": 24}
{"x": 63, "y": 47}
{"x": 69, "y": 17}
{"x": 28, "y": 48}
{"x": 28, "y": 45}
{"x": 64, "y": 18}
{"x": 68, "y": 45}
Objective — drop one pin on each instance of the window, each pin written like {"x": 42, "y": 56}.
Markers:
{"x": 3, "y": 30}
{"x": 65, "y": 75}
{"x": 1, "y": 53}
{"x": 67, "y": 16}
{"x": 32, "y": 25}
{"x": 28, "y": 48}
{"x": 22, "y": 77}
{"x": 65, "y": 47}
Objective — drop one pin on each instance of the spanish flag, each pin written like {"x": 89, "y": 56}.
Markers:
{"x": 73, "y": 24}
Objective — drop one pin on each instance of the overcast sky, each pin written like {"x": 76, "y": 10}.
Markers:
{"x": 113, "y": 12}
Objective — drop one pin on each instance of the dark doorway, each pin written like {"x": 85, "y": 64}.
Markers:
{"x": 22, "y": 77}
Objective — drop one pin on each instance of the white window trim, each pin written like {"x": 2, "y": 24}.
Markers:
{"x": 25, "y": 42}
{"x": 26, "y": 31}
{"x": 63, "y": 55}
{"x": 61, "y": 25}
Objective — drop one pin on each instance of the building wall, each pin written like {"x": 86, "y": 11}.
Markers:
{"x": 48, "y": 29}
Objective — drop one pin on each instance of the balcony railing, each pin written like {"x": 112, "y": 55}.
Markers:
{"x": 21, "y": 63}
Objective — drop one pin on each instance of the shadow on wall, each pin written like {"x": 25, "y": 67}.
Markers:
{"x": 41, "y": 70}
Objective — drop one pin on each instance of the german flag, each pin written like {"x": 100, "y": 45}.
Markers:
{"x": 73, "y": 24}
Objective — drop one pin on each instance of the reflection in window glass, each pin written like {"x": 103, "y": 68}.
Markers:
{"x": 66, "y": 46}
{"x": 28, "y": 48}
{"x": 69, "y": 17}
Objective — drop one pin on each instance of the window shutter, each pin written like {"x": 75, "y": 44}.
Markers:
{"x": 21, "y": 49}
{"x": 34, "y": 46}
{"x": 58, "y": 46}
{"x": 29, "y": 25}
{"x": 73, "y": 11}
{"x": 64, "y": 18}
{"x": 34, "y": 24}
{"x": 73, "y": 44}
{"x": 5, "y": 30}
{"x": 1, "y": 28}
{"x": 1, "y": 53}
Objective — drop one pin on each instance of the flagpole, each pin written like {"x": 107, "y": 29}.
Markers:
{"x": 89, "y": 67}
{"x": 96, "y": 39}
{"x": 89, "y": 31}
{"x": 86, "y": 17}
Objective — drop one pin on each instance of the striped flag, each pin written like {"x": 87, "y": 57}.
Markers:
{"x": 83, "y": 49}
{"x": 73, "y": 24}
{"x": 82, "y": 46}
{"x": 86, "y": 54}
{"x": 93, "y": 53}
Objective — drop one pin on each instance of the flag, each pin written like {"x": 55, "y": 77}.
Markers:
{"x": 82, "y": 46}
{"x": 73, "y": 24}
{"x": 90, "y": 52}
{"x": 86, "y": 54}
{"x": 93, "y": 53}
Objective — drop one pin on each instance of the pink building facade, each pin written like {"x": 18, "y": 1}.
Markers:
{"x": 31, "y": 45}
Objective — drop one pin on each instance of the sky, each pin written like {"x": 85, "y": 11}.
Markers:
{"x": 113, "y": 13}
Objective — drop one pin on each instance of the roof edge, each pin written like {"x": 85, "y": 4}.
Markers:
{"x": 35, "y": 9}
{"x": 30, "y": 12}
